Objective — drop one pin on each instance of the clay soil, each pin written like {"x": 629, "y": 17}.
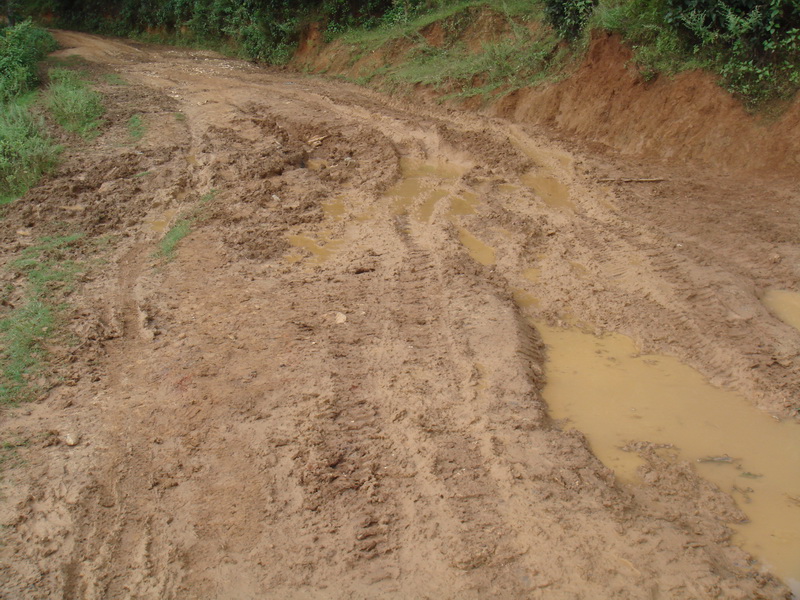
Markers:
{"x": 251, "y": 421}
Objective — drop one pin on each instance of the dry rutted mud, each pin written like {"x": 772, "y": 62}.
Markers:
{"x": 333, "y": 391}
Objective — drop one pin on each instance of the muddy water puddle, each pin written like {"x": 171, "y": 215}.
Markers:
{"x": 321, "y": 250}
{"x": 785, "y": 305}
{"x": 423, "y": 184}
{"x": 554, "y": 193}
{"x": 162, "y": 222}
{"x": 335, "y": 208}
{"x": 478, "y": 250}
{"x": 614, "y": 395}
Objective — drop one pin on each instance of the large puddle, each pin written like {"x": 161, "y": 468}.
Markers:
{"x": 554, "y": 193}
{"x": 615, "y": 395}
{"x": 784, "y": 305}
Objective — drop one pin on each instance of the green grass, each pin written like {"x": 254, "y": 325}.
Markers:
{"x": 26, "y": 151}
{"x": 516, "y": 59}
{"x": 74, "y": 106}
{"x": 115, "y": 79}
{"x": 136, "y": 127}
{"x": 168, "y": 245}
{"x": 47, "y": 276}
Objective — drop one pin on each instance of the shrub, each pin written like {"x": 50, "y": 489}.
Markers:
{"x": 569, "y": 17}
{"x": 21, "y": 47}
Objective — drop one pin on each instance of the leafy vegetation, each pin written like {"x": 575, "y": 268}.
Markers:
{"x": 26, "y": 152}
{"x": 35, "y": 319}
{"x": 754, "y": 45}
{"x": 569, "y": 17}
{"x": 73, "y": 104}
{"x": 21, "y": 48}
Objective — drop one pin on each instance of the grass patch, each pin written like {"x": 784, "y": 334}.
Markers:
{"x": 136, "y": 127}
{"x": 26, "y": 152}
{"x": 35, "y": 319}
{"x": 520, "y": 57}
{"x": 168, "y": 245}
{"x": 74, "y": 106}
{"x": 180, "y": 117}
{"x": 114, "y": 79}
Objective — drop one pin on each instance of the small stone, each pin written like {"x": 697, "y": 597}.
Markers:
{"x": 340, "y": 318}
{"x": 71, "y": 439}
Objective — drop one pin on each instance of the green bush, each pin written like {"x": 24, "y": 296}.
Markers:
{"x": 25, "y": 151}
{"x": 569, "y": 17}
{"x": 21, "y": 48}
{"x": 753, "y": 44}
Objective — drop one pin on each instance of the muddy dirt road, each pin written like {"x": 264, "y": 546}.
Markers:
{"x": 335, "y": 389}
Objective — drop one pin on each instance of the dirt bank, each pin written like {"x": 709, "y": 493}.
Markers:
{"x": 605, "y": 101}
{"x": 334, "y": 391}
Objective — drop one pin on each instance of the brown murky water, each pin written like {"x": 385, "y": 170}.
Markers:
{"x": 320, "y": 250}
{"x": 478, "y": 250}
{"x": 785, "y": 305}
{"x": 613, "y": 394}
{"x": 162, "y": 222}
{"x": 554, "y": 193}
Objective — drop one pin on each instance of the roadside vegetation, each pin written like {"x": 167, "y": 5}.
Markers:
{"x": 40, "y": 279}
{"x": 34, "y": 319}
{"x": 73, "y": 104}
{"x": 26, "y": 151}
{"x": 753, "y": 45}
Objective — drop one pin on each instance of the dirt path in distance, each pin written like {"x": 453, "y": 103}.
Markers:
{"x": 334, "y": 390}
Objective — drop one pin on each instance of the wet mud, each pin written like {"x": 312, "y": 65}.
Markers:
{"x": 344, "y": 384}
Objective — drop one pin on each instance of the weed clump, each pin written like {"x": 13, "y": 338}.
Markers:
{"x": 74, "y": 106}
{"x": 26, "y": 153}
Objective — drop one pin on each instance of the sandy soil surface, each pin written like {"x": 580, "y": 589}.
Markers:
{"x": 357, "y": 413}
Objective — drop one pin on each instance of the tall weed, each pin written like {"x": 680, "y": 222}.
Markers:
{"x": 26, "y": 153}
{"x": 75, "y": 106}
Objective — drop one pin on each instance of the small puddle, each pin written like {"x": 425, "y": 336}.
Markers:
{"x": 421, "y": 179}
{"x": 614, "y": 395}
{"x": 463, "y": 205}
{"x": 524, "y": 299}
{"x": 335, "y": 208}
{"x": 320, "y": 251}
{"x": 411, "y": 167}
{"x": 532, "y": 274}
{"x": 483, "y": 253}
{"x": 554, "y": 193}
{"x": 162, "y": 223}
{"x": 785, "y": 305}
{"x": 426, "y": 209}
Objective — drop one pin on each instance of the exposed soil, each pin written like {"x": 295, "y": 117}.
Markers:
{"x": 253, "y": 421}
